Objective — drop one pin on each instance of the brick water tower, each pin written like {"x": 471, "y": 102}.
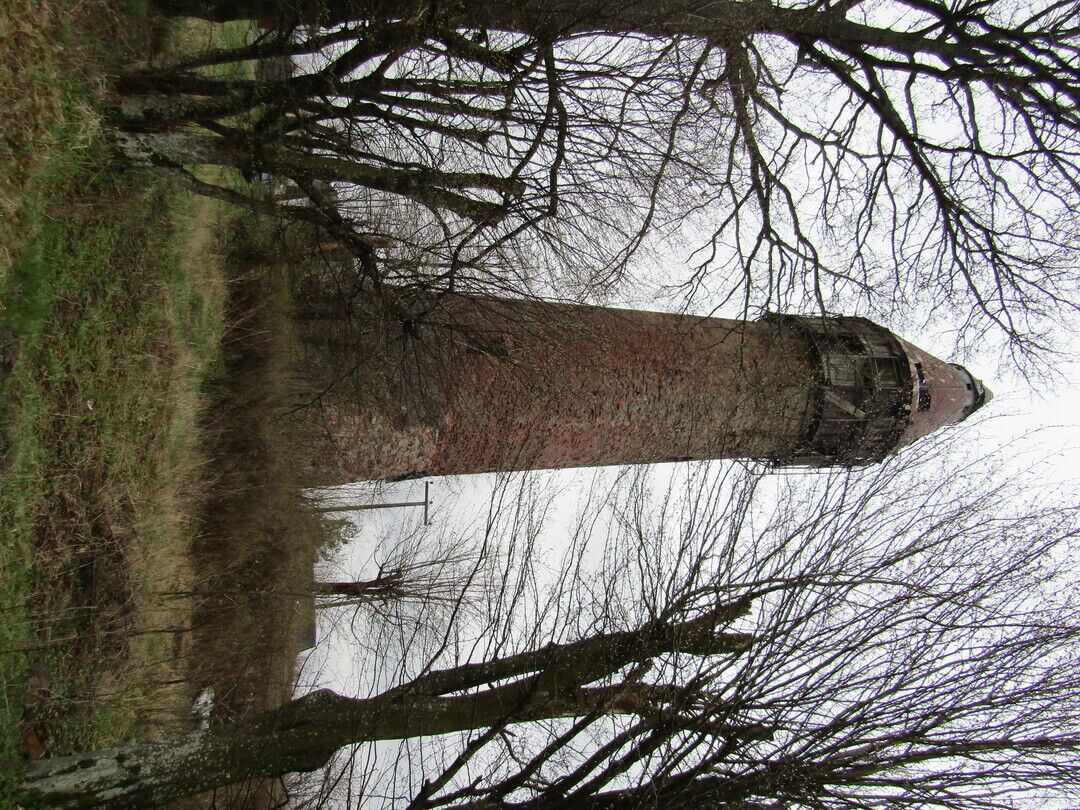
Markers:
{"x": 484, "y": 384}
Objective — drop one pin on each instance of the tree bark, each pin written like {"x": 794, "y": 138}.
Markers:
{"x": 592, "y": 658}
{"x": 300, "y": 736}
{"x": 303, "y": 735}
{"x": 530, "y": 16}
{"x": 427, "y": 186}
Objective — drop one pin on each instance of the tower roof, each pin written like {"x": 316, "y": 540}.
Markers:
{"x": 942, "y": 393}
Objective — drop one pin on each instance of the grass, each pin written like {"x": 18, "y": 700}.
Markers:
{"x": 117, "y": 333}
{"x": 47, "y": 91}
{"x": 142, "y": 445}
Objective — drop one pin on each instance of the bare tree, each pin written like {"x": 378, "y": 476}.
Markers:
{"x": 404, "y": 145}
{"x": 913, "y": 154}
{"x": 885, "y": 637}
{"x": 425, "y": 566}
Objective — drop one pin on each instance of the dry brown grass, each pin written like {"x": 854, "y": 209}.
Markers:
{"x": 145, "y": 455}
{"x": 258, "y": 534}
{"x": 30, "y": 108}
{"x": 112, "y": 285}
{"x": 159, "y": 623}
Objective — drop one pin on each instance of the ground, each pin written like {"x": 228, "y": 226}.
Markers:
{"x": 144, "y": 363}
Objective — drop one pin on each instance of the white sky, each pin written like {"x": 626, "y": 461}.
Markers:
{"x": 1045, "y": 419}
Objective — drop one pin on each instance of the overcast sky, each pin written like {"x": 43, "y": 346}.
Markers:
{"x": 1043, "y": 421}
{"x": 1041, "y": 418}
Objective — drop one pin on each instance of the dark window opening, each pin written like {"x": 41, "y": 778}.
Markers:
{"x": 924, "y": 391}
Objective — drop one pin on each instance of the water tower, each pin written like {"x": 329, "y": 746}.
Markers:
{"x": 490, "y": 384}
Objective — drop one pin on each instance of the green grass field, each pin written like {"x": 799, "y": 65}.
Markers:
{"x": 148, "y": 337}
{"x": 111, "y": 296}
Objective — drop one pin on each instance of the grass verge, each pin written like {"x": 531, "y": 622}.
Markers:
{"x": 111, "y": 302}
{"x": 115, "y": 333}
{"x": 148, "y": 339}
{"x": 259, "y": 539}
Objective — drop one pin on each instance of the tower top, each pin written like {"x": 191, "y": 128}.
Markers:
{"x": 875, "y": 392}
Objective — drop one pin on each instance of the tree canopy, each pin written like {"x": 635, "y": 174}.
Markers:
{"x": 904, "y": 156}
{"x": 825, "y": 642}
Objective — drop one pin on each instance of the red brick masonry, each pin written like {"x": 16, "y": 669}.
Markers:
{"x": 514, "y": 385}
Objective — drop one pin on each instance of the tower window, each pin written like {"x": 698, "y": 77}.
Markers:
{"x": 924, "y": 390}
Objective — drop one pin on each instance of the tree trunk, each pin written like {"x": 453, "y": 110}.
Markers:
{"x": 150, "y": 774}
{"x": 528, "y": 16}
{"x": 723, "y": 21}
{"x": 595, "y": 657}
{"x": 304, "y": 733}
{"x": 427, "y": 186}
{"x": 300, "y": 736}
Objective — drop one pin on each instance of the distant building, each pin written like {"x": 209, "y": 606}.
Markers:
{"x": 496, "y": 384}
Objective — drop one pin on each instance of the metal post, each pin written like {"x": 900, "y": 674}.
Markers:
{"x": 357, "y": 507}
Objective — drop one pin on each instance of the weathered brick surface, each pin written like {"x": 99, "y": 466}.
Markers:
{"x": 950, "y": 393}
{"x": 526, "y": 385}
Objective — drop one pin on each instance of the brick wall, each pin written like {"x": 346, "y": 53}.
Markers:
{"x": 491, "y": 384}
